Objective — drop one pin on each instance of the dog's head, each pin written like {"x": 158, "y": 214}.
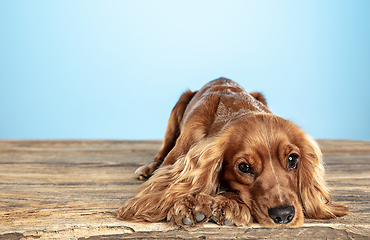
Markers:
{"x": 277, "y": 171}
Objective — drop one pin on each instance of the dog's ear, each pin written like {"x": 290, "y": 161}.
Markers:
{"x": 314, "y": 194}
{"x": 197, "y": 171}
{"x": 260, "y": 97}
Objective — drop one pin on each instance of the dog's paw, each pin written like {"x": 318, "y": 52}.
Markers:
{"x": 145, "y": 171}
{"x": 229, "y": 210}
{"x": 191, "y": 211}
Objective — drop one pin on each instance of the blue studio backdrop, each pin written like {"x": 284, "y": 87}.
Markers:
{"x": 91, "y": 69}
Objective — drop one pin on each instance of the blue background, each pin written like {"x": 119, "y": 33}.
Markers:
{"x": 114, "y": 69}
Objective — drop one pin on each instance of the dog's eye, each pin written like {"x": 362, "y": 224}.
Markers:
{"x": 245, "y": 168}
{"x": 293, "y": 160}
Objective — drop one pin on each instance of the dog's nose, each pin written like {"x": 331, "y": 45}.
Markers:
{"x": 282, "y": 215}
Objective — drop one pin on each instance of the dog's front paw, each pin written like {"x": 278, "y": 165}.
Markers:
{"x": 229, "y": 210}
{"x": 145, "y": 171}
{"x": 191, "y": 211}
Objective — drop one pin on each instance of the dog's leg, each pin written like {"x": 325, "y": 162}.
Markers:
{"x": 196, "y": 127}
{"x": 171, "y": 135}
{"x": 228, "y": 209}
{"x": 191, "y": 211}
{"x": 173, "y": 125}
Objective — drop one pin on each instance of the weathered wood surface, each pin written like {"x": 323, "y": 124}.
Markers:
{"x": 72, "y": 190}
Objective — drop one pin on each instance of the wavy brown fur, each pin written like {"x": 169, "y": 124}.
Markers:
{"x": 210, "y": 135}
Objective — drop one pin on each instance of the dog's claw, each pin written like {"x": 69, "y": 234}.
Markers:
{"x": 187, "y": 221}
{"x": 214, "y": 219}
{"x": 142, "y": 178}
{"x": 200, "y": 216}
{"x": 145, "y": 171}
{"x": 228, "y": 222}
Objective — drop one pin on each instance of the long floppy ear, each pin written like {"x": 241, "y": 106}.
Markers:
{"x": 197, "y": 171}
{"x": 315, "y": 195}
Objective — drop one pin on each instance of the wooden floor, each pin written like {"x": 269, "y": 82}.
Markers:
{"x": 72, "y": 190}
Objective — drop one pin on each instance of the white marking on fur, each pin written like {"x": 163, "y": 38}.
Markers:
{"x": 273, "y": 169}
{"x": 224, "y": 114}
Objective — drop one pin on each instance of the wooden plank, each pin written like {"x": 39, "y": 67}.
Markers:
{"x": 72, "y": 190}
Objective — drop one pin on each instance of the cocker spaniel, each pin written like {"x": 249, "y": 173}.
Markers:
{"x": 225, "y": 157}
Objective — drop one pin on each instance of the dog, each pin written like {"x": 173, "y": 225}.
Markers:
{"x": 226, "y": 158}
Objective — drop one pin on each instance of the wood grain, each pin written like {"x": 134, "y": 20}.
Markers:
{"x": 72, "y": 190}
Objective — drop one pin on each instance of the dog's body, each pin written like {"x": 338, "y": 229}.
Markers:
{"x": 225, "y": 156}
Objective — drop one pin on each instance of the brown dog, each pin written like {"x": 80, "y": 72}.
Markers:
{"x": 226, "y": 157}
